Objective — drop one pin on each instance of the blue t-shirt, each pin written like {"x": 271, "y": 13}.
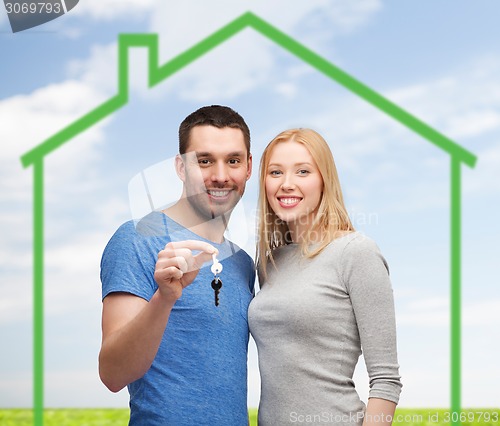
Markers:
{"x": 199, "y": 375}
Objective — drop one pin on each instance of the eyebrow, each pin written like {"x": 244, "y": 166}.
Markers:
{"x": 210, "y": 154}
{"x": 295, "y": 165}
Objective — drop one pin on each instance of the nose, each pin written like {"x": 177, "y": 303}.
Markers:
{"x": 287, "y": 184}
{"x": 220, "y": 173}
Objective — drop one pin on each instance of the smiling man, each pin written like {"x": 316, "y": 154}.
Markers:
{"x": 182, "y": 357}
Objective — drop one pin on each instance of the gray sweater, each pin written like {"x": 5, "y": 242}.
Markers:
{"x": 310, "y": 321}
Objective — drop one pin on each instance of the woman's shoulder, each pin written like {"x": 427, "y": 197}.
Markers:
{"x": 361, "y": 253}
{"x": 350, "y": 239}
{"x": 353, "y": 244}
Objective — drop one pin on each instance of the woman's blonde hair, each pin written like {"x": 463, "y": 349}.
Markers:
{"x": 331, "y": 216}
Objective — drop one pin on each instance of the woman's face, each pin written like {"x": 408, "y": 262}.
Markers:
{"x": 293, "y": 185}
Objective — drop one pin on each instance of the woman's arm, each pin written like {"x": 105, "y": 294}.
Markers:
{"x": 379, "y": 412}
{"x": 367, "y": 280}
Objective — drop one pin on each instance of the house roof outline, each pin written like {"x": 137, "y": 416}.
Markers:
{"x": 158, "y": 73}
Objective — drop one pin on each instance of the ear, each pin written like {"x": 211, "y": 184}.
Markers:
{"x": 249, "y": 166}
{"x": 180, "y": 167}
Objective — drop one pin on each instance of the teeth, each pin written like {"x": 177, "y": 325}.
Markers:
{"x": 289, "y": 200}
{"x": 218, "y": 193}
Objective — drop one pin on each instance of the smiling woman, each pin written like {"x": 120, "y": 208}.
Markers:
{"x": 325, "y": 294}
{"x": 295, "y": 203}
{"x": 294, "y": 189}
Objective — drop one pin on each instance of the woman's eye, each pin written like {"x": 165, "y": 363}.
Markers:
{"x": 274, "y": 172}
{"x": 303, "y": 172}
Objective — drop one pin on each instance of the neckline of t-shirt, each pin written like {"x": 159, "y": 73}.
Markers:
{"x": 352, "y": 234}
{"x": 167, "y": 218}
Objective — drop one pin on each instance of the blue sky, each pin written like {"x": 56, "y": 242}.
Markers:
{"x": 438, "y": 60}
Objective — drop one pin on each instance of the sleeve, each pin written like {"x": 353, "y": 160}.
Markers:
{"x": 127, "y": 264}
{"x": 366, "y": 277}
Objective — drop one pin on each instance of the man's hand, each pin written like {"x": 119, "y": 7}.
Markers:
{"x": 177, "y": 266}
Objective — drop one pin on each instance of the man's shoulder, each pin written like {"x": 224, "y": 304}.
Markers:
{"x": 151, "y": 225}
{"x": 135, "y": 234}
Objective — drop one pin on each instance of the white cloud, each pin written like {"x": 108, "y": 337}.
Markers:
{"x": 92, "y": 392}
{"x": 461, "y": 105}
{"x": 380, "y": 152}
{"x": 338, "y": 15}
{"x": 179, "y": 28}
{"x": 238, "y": 67}
{"x": 27, "y": 120}
{"x": 465, "y": 107}
{"x": 484, "y": 313}
{"x": 193, "y": 16}
{"x": 287, "y": 90}
{"x": 424, "y": 318}
{"x": 471, "y": 123}
{"x": 16, "y": 304}
{"x": 108, "y": 10}
{"x": 99, "y": 70}
{"x": 349, "y": 15}
{"x": 429, "y": 304}
{"x": 78, "y": 257}
{"x": 435, "y": 312}
{"x": 222, "y": 74}
{"x": 483, "y": 179}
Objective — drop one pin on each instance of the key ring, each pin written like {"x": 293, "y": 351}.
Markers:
{"x": 216, "y": 268}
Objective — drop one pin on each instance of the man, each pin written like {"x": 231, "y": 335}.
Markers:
{"x": 182, "y": 357}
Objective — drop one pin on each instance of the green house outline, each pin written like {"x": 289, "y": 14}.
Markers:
{"x": 157, "y": 74}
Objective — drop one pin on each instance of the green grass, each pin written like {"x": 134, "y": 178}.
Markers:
{"x": 437, "y": 417}
{"x": 119, "y": 417}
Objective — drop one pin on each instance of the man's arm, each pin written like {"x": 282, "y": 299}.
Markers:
{"x": 132, "y": 328}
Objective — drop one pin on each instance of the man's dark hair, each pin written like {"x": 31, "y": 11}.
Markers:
{"x": 213, "y": 115}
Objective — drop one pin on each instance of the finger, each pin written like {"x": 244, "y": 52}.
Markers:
{"x": 168, "y": 252}
{"x": 192, "y": 245}
{"x": 201, "y": 258}
{"x": 179, "y": 262}
{"x": 169, "y": 273}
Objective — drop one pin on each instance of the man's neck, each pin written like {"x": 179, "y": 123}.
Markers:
{"x": 212, "y": 229}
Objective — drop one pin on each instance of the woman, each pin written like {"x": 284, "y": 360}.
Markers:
{"x": 325, "y": 295}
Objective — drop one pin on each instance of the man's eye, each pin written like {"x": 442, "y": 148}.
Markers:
{"x": 203, "y": 161}
{"x": 234, "y": 161}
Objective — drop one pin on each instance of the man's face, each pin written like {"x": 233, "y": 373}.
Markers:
{"x": 214, "y": 170}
